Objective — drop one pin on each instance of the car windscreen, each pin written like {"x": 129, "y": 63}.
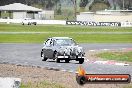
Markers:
{"x": 64, "y": 42}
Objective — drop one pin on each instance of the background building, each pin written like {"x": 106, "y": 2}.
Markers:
{"x": 106, "y": 16}
{"x": 46, "y": 15}
{"x": 21, "y": 11}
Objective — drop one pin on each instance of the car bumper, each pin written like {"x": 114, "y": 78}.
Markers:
{"x": 63, "y": 57}
{"x": 71, "y": 57}
{"x": 81, "y": 57}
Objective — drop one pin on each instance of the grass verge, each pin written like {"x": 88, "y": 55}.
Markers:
{"x": 119, "y": 56}
{"x": 79, "y": 33}
{"x": 59, "y": 28}
{"x": 80, "y": 38}
{"x": 43, "y": 84}
{"x": 128, "y": 86}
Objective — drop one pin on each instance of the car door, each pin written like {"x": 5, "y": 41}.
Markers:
{"x": 48, "y": 48}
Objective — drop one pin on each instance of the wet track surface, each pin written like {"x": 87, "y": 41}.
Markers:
{"x": 29, "y": 54}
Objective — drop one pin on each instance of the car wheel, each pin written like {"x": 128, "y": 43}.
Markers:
{"x": 29, "y": 23}
{"x": 56, "y": 57}
{"x": 35, "y": 23}
{"x": 81, "y": 60}
{"x": 81, "y": 80}
{"x": 67, "y": 61}
{"x": 58, "y": 60}
{"x": 43, "y": 57}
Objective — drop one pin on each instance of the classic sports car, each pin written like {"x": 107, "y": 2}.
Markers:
{"x": 62, "y": 48}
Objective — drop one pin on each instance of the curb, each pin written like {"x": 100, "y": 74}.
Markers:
{"x": 128, "y": 49}
{"x": 109, "y": 62}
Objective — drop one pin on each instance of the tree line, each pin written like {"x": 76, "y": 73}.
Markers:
{"x": 53, "y": 4}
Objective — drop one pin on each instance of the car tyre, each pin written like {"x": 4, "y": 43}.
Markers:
{"x": 57, "y": 60}
{"x": 81, "y": 80}
{"x": 67, "y": 61}
{"x": 35, "y": 23}
{"x": 81, "y": 61}
{"x": 43, "y": 57}
{"x": 56, "y": 57}
{"x": 29, "y": 23}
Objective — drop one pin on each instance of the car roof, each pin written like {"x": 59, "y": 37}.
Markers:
{"x": 61, "y": 38}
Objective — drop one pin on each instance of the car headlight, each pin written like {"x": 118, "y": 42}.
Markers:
{"x": 61, "y": 51}
{"x": 80, "y": 50}
{"x": 67, "y": 51}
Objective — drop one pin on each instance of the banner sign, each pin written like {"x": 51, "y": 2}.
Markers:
{"x": 126, "y": 24}
{"x": 93, "y": 23}
{"x": 82, "y": 78}
{"x": 103, "y": 78}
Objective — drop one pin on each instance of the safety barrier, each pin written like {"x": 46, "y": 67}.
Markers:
{"x": 93, "y": 23}
{"x": 126, "y": 24}
{"x": 61, "y": 22}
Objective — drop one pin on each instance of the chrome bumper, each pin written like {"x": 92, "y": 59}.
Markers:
{"x": 63, "y": 57}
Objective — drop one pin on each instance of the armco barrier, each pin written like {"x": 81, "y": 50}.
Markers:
{"x": 93, "y": 23}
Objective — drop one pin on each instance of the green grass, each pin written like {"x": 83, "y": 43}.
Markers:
{"x": 80, "y": 38}
{"x": 119, "y": 56}
{"x": 63, "y": 30}
{"x": 59, "y": 28}
{"x": 128, "y": 86}
{"x": 43, "y": 84}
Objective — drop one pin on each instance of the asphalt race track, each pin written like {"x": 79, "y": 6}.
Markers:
{"x": 29, "y": 54}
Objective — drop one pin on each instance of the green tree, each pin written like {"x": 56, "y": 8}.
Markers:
{"x": 59, "y": 9}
